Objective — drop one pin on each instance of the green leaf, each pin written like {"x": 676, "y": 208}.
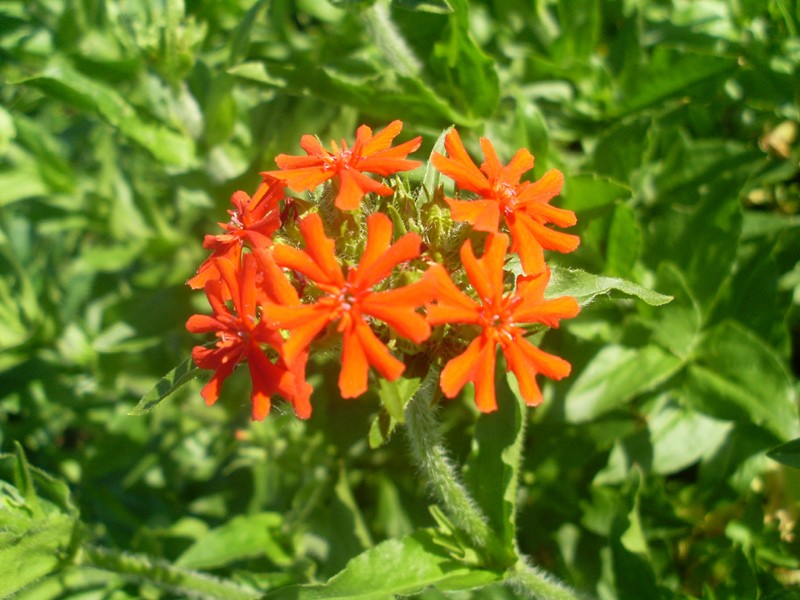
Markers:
{"x": 348, "y": 525}
{"x": 49, "y": 152}
{"x": 7, "y": 130}
{"x": 675, "y": 327}
{"x": 24, "y": 481}
{"x": 441, "y": 7}
{"x": 699, "y": 234}
{"x": 381, "y": 429}
{"x": 363, "y": 84}
{"x": 179, "y": 582}
{"x": 632, "y": 566}
{"x": 614, "y": 377}
{"x": 49, "y": 492}
{"x": 669, "y": 73}
{"x": 463, "y": 73}
{"x": 492, "y": 471}
{"x": 585, "y": 287}
{"x": 585, "y": 192}
{"x": 398, "y": 566}
{"x": 396, "y": 394}
{"x": 736, "y": 376}
{"x": 579, "y": 21}
{"x": 241, "y": 35}
{"x": 787, "y": 453}
{"x": 64, "y": 83}
{"x": 29, "y": 555}
{"x": 680, "y": 437}
{"x": 184, "y": 372}
{"x": 248, "y": 536}
{"x": 624, "y": 241}
{"x": 430, "y": 181}
{"x": 622, "y": 148}
{"x": 37, "y": 523}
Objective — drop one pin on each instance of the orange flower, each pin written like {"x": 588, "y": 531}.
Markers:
{"x": 350, "y": 300}
{"x": 525, "y": 207}
{"x": 498, "y": 317}
{"x": 240, "y": 336}
{"x": 253, "y": 221}
{"x": 369, "y": 154}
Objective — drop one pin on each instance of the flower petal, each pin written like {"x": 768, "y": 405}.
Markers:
{"x": 525, "y": 244}
{"x": 263, "y": 376}
{"x": 381, "y": 141}
{"x": 276, "y": 285}
{"x": 520, "y": 163}
{"x": 379, "y": 238}
{"x": 351, "y": 189}
{"x": 544, "y": 189}
{"x": 301, "y": 398}
{"x": 313, "y": 146}
{"x": 321, "y": 249}
{"x": 483, "y": 215}
{"x": 297, "y": 260}
{"x": 403, "y": 319}
{"x": 452, "y": 305}
{"x": 486, "y": 274}
{"x": 491, "y": 166}
{"x": 203, "y": 324}
{"x": 458, "y": 165}
{"x": 355, "y": 368}
{"x": 526, "y": 376}
{"x": 406, "y": 248}
{"x": 461, "y": 369}
{"x": 223, "y": 369}
{"x": 548, "y": 312}
{"x": 377, "y": 353}
{"x": 483, "y": 379}
{"x": 549, "y": 365}
{"x": 305, "y": 178}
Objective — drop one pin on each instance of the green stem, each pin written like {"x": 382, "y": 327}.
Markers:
{"x": 442, "y": 477}
{"x": 389, "y": 41}
{"x": 531, "y": 582}
{"x": 438, "y": 470}
{"x": 183, "y": 582}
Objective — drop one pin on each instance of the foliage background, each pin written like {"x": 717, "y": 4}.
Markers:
{"x": 125, "y": 127}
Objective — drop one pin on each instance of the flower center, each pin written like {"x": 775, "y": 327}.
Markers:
{"x": 235, "y": 220}
{"x": 346, "y": 298}
{"x": 498, "y": 320}
{"x": 507, "y": 195}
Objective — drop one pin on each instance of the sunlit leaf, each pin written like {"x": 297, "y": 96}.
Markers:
{"x": 669, "y": 74}
{"x": 614, "y": 377}
{"x": 398, "y": 566}
{"x": 37, "y": 523}
{"x": 493, "y": 467}
{"x": 734, "y": 375}
{"x": 71, "y": 87}
{"x": 586, "y": 287}
{"x": 432, "y": 6}
{"x": 787, "y": 453}
{"x": 183, "y": 373}
{"x": 246, "y": 536}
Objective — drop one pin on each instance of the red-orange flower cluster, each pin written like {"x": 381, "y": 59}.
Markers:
{"x": 272, "y": 296}
{"x": 371, "y": 154}
{"x": 525, "y": 207}
{"x": 498, "y": 316}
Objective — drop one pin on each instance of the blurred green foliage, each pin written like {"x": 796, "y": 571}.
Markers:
{"x": 125, "y": 127}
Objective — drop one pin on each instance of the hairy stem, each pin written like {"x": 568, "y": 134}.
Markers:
{"x": 438, "y": 470}
{"x": 183, "y": 582}
{"x": 442, "y": 477}
{"x": 531, "y": 582}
